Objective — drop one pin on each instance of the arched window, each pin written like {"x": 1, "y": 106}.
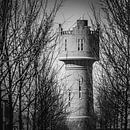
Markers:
{"x": 65, "y": 44}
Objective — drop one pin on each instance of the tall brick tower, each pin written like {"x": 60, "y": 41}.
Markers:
{"x": 80, "y": 49}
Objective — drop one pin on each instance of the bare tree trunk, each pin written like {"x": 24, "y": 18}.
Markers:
{"x": 1, "y": 112}
{"x": 34, "y": 113}
{"x": 10, "y": 125}
{"x": 126, "y": 110}
{"x": 4, "y": 13}
{"x": 121, "y": 119}
{"x": 35, "y": 102}
{"x": 28, "y": 119}
{"x": 10, "y": 92}
{"x": 20, "y": 99}
{"x": 117, "y": 121}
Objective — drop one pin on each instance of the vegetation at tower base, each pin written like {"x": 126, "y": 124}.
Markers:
{"x": 113, "y": 99}
{"x": 29, "y": 94}
{"x": 82, "y": 124}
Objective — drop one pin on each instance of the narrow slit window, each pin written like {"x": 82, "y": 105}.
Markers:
{"x": 65, "y": 44}
{"x": 69, "y": 96}
{"x": 80, "y": 91}
{"x": 80, "y": 94}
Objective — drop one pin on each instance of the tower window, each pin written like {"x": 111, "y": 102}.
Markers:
{"x": 80, "y": 91}
{"x": 80, "y": 94}
{"x": 65, "y": 44}
{"x": 81, "y": 44}
{"x": 79, "y": 86}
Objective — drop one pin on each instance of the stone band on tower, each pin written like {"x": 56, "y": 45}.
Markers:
{"x": 80, "y": 49}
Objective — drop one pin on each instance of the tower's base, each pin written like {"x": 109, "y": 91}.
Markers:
{"x": 81, "y": 124}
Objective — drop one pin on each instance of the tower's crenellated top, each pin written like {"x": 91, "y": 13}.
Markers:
{"x": 79, "y": 43}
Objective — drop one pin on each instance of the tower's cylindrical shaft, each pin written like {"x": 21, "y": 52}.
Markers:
{"x": 79, "y": 83}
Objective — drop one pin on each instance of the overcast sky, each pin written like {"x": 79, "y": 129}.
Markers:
{"x": 70, "y": 12}
{"x": 73, "y": 10}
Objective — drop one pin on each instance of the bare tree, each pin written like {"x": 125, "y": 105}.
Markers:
{"x": 25, "y": 32}
{"x": 115, "y": 57}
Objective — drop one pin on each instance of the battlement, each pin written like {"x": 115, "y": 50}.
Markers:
{"x": 71, "y": 32}
{"x": 68, "y": 32}
{"x": 81, "y": 27}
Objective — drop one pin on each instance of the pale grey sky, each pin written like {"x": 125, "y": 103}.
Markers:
{"x": 73, "y": 10}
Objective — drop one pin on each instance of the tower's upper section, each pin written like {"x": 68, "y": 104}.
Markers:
{"x": 80, "y": 43}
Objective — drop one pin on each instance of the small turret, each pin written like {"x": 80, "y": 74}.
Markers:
{"x": 82, "y": 23}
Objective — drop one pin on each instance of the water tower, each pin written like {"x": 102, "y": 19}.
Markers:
{"x": 79, "y": 50}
